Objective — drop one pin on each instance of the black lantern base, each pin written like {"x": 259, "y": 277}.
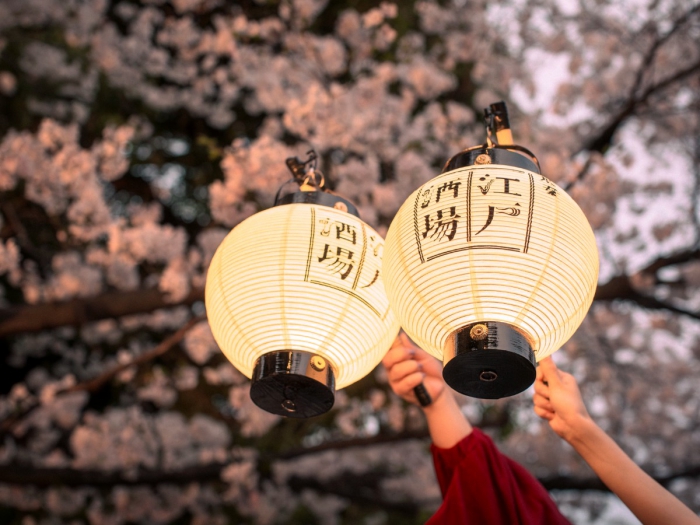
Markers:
{"x": 292, "y": 383}
{"x": 488, "y": 360}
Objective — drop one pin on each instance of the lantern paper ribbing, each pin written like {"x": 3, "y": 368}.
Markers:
{"x": 301, "y": 277}
{"x": 490, "y": 243}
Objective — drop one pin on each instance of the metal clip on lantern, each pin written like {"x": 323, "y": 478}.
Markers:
{"x": 490, "y": 266}
{"x": 295, "y": 297}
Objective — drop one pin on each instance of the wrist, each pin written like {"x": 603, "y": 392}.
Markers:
{"x": 581, "y": 430}
{"x": 443, "y": 402}
{"x": 446, "y": 422}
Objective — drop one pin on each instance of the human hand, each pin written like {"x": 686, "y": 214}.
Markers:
{"x": 409, "y": 366}
{"x": 558, "y": 400}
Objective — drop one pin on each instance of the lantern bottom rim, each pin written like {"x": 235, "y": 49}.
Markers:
{"x": 293, "y": 383}
{"x": 488, "y": 360}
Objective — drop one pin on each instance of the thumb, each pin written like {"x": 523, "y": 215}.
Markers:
{"x": 550, "y": 372}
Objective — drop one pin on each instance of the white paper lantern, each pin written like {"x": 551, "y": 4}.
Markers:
{"x": 295, "y": 300}
{"x": 489, "y": 267}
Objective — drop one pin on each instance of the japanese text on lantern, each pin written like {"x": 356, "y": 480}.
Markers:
{"x": 344, "y": 256}
{"x": 477, "y": 208}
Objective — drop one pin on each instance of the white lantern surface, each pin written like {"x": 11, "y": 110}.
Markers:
{"x": 490, "y": 267}
{"x": 295, "y": 300}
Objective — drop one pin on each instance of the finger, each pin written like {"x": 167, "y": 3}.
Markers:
{"x": 401, "y": 340}
{"x": 402, "y": 369}
{"x": 430, "y": 364}
{"x": 405, "y": 338}
{"x": 404, "y": 388}
{"x": 550, "y": 372}
{"x": 396, "y": 355}
{"x": 544, "y": 414}
{"x": 542, "y": 389}
{"x": 566, "y": 378}
{"x": 418, "y": 351}
{"x": 542, "y": 402}
{"x": 539, "y": 375}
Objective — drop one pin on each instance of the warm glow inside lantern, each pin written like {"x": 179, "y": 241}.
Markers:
{"x": 295, "y": 300}
{"x": 490, "y": 267}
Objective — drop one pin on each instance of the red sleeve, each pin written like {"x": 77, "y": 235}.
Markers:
{"x": 480, "y": 485}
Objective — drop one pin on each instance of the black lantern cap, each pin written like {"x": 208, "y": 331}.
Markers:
{"x": 293, "y": 383}
{"x": 510, "y": 155}
{"x": 488, "y": 360}
{"x": 321, "y": 198}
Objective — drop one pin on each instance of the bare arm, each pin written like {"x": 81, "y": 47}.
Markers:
{"x": 558, "y": 400}
{"x": 407, "y": 367}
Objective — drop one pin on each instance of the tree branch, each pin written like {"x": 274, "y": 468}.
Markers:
{"x": 364, "y": 489}
{"x": 602, "y": 140}
{"x": 76, "y": 312}
{"x": 569, "y": 483}
{"x": 96, "y": 383}
{"x": 26, "y": 474}
{"x": 656, "y": 45}
{"x": 22, "y": 236}
{"x": 672, "y": 260}
{"x": 497, "y": 418}
{"x": 345, "y": 485}
{"x": 355, "y": 442}
{"x": 652, "y": 303}
{"x": 621, "y": 288}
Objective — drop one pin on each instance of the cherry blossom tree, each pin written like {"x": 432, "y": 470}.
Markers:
{"x": 135, "y": 135}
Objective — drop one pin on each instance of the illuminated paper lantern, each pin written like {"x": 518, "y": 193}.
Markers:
{"x": 295, "y": 300}
{"x": 490, "y": 267}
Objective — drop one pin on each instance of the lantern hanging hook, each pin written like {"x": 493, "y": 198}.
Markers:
{"x": 488, "y": 117}
{"x": 497, "y": 124}
{"x": 305, "y": 173}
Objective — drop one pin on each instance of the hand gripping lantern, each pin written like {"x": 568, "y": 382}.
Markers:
{"x": 295, "y": 297}
{"x": 490, "y": 266}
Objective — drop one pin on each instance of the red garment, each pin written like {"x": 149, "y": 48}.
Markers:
{"x": 481, "y": 486}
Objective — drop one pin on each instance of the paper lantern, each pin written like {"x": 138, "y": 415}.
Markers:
{"x": 490, "y": 267}
{"x": 295, "y": 300}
